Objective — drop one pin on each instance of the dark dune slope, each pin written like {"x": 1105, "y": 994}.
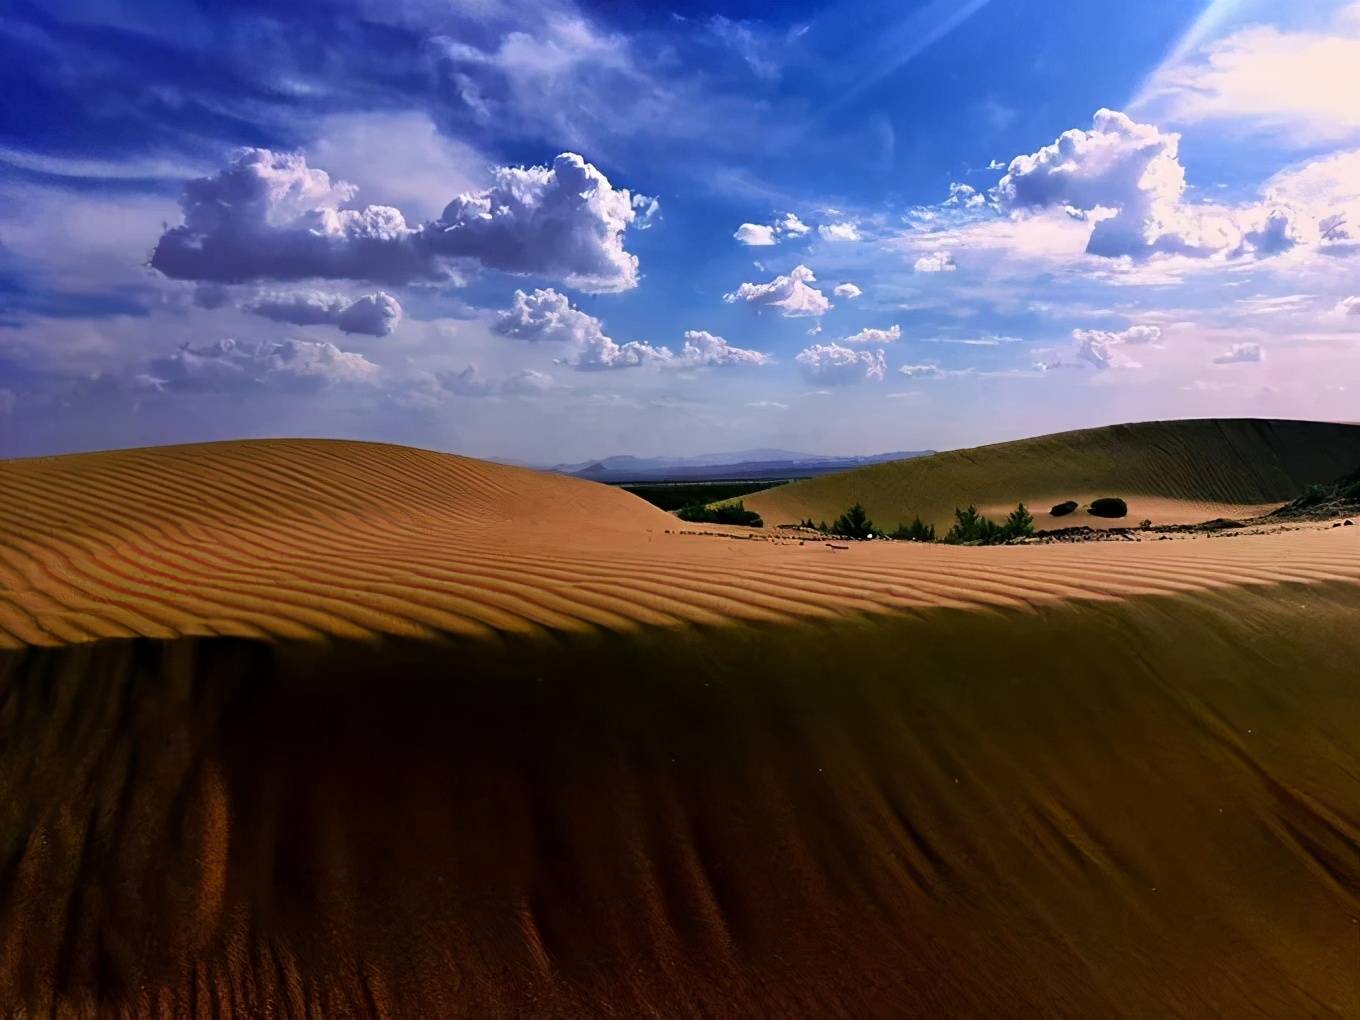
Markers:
{"x": 1144, "y": 807}
{"x": 1170, "y": 471}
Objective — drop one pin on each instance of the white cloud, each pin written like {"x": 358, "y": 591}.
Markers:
{"x": 546, "y": 315}
{"x": 373, "y": 314}
{"x": 1301, "y": 84}
{"x": 935, "y": 262}
{"x": 1239, "y": 353}
{"x": 839, "y": 232}
{"x": 469, "y": 382}
{"x": 229, "y": 365}
{"x": 270, "y": 216}
{"x": 601, "y": 353}
{"x": 768, "y": 405}
{"x": 839, "y": 366}
{"x": 565, "y": 221}
{"x": 1349, "y": 306}
{"x": 760, "y": 235}
{"x": 1103, "y": 348}
{"x": 790, "y": 294}
{"x": 703, "y": 349}
{"x": 965, "y": 196}
{"x": 921, "y": 371}
{"x": 868, "y": 335}
{"x": 847, "y": 290}
{"x": 755, "y": 235}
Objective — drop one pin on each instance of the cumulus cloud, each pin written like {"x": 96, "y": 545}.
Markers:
{"x": 935, "y": 262}
{"x": 759, "y": 235}
{"x": 702, "y": 348}
{"x": 269, "y": 216}
{"x": 1240, "y": 353}
{"x": 965, "y": 196}
{"x": 565, "y": 221}
{"x": 755, "y": 235}
{"x": 546, "y": 315}
{"x": 1349, "y": 306}
{"x": 601, "y": 353}
{"x": 868, "y": 335}
{"x": 1125, "y": 178}
{"x": 839, "y": 366}
{"x": 229, "y": 365}
{"x": 839, "y": 232}
{"x": 373, "y": 314}
{"x": 1103, "y": 348}
{"x": 847, "y": 290}
{"x": 790, "y": 294}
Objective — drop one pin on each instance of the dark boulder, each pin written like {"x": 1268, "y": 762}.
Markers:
{"x": 1108, "y": 506}
{"x": 1063, "y": 509}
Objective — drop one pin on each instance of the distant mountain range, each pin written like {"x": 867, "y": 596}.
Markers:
{"x": 715, "y": 467}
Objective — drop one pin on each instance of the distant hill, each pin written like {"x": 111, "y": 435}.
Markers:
{"x": 1168, "y": 471}
{"x": 741, "y": 464}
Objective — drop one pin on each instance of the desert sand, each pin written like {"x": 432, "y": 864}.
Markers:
{"x": 1169, "y": 472}
{"x": 310, "y": 728}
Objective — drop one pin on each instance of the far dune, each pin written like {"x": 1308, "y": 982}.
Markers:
{"x": 305, "y": 728}
{"x": 1173, "y": 472}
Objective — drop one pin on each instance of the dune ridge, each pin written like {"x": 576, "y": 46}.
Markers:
{"x": 303, "y": 728}
{"x": 304, "y": 539}
{"x": 1172, "y": 472}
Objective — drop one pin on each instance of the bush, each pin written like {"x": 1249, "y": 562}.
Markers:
{"x": 916, "y": 531}
{"x": 971, "y": 528}
{"x": 854, "y": 523}
{"x": 727, "y": 513}
{"x": 1020, "y": 523}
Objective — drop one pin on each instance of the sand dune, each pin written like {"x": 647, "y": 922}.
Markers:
{"x": 1175, "y": 472}
{"x": 310, "y": 728}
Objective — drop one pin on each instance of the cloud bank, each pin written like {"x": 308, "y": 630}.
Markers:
{"x": 372, "y": 315}
{"x": 269, "y": 216}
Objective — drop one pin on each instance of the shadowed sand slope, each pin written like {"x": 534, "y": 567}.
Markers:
{"x": 331, "y": 729}
{"x": 1172, "y": 472}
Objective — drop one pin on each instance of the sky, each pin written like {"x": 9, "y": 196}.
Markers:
{"x": 548, "y": 232}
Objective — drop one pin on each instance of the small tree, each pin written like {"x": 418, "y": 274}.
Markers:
{"x": 1019, "y": 524}
{"x": 854, "y": 523}
{"x": 916, "y": 531}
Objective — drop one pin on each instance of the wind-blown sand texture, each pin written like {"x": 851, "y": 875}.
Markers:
{"x": 306, "y": 728}
{"x": 1169, "y": 472}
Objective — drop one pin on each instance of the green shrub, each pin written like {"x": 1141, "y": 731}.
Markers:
{"x": 971, "y": 528}
{"x": 727, "y": 513}
{"x": 854, "y": 523}
{"x": 1020, "y": 523}
{"x": 916, "y": 531}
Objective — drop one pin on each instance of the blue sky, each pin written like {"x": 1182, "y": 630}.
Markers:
{"x": 549, "y": 231}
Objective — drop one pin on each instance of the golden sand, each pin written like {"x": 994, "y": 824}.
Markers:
{"x": 305, "y": 728}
